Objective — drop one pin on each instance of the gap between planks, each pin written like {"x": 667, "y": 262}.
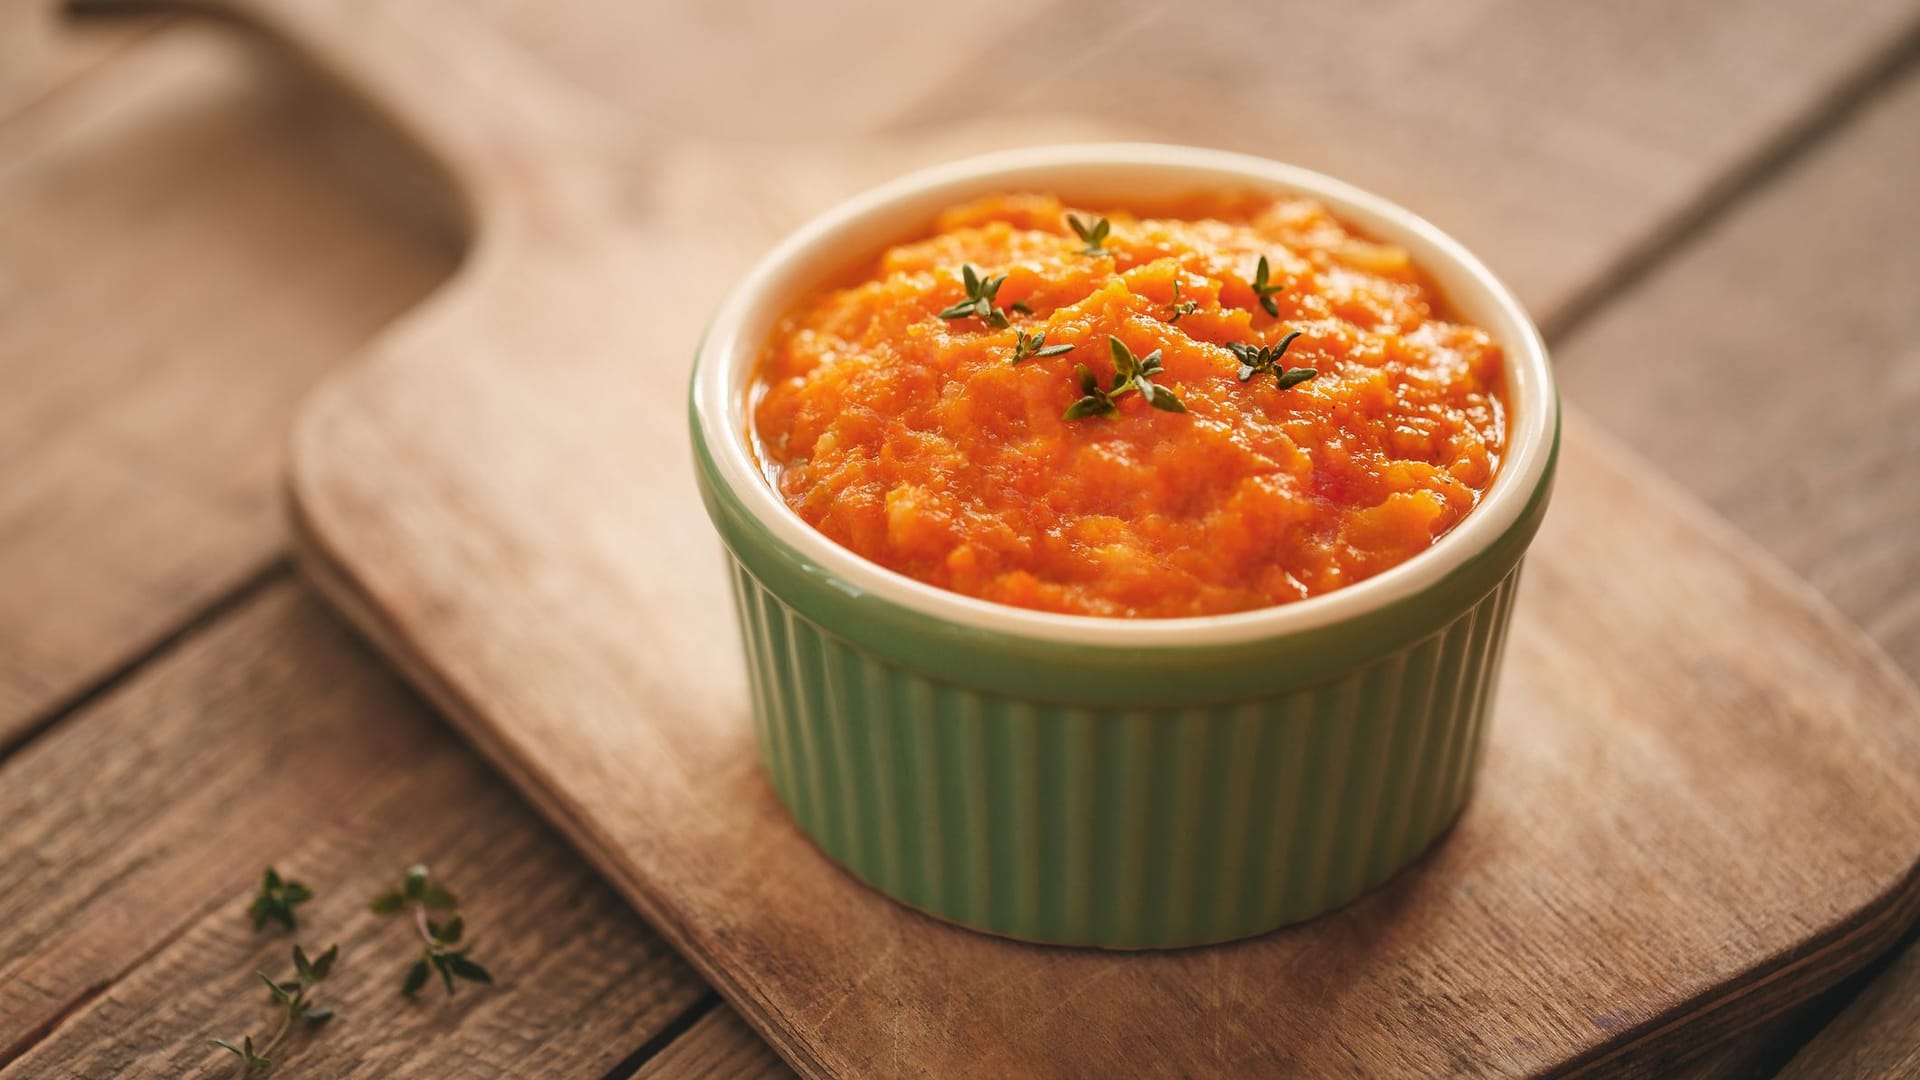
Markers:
{"x": 279, "y": 568}
{"x": 343, "y": 777}
{"x": 1798, "y": 139}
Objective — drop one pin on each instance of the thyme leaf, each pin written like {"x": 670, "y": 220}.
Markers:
{"x": 1093, "y": 235}
{"x": 1270, "y": 360}
{"x": 1264, "y": 289}
{"x": 1130, "y": 374}
{"x": 294, "y": 997}
{"x": 441, "y": 950}
{"x": 1178, "y": 307}
{"x": 276, "y": 900}
{"x": 1034, "y": 346}
{"x": 979, "y": 302}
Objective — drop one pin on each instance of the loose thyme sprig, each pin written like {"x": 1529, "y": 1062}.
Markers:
{"x": 1255, "y": 360}
{"x": 1094, "y": 235}
{"x": 1034, "y": 346}
{"x": 293, "y": 996}
{"x": 979, "y": 301}
{"x": 1130, "y": 373}
{"x": 1264, "y": 290}
{"x": 276, "y": 900}
{"x": 419, "y": 893}
{"x": 1178, "y": 307}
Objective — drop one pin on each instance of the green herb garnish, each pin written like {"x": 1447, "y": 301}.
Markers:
{"x": 1094, "y": 401}
{"x": 1264, "y": 290}
{"x": 276, "y": 899}
{"x": 1130, "y": 373}
{"x": 1032, "y": 346}
{"x": 249, "y": 1060}
{"x": 1093, "y": 235}
{"x": 441, "y": 950}
{"x": 1178, "y": 307}
{"x": 979, "y": 301}
{"x": 293, "y": 997}
{"x": 1255, "y": 360}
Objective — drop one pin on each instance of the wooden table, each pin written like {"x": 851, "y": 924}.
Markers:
{"x": 192, "y": 231}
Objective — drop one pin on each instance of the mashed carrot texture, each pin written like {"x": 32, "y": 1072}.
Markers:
{"x": 916, "y": 442}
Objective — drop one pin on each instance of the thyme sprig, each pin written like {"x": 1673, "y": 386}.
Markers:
{"x": 1178, "y": 307}
{"x": 294, "y": 996}
{"x": 1034, "y": 346}
{"x": 276, "y": 900}
{"x": 1270, "y": 360}
{"x": 979, "y": 302}
{"x": 1093, "y": 235}
{"x": 1264, "y": 289}
{"x": 1130, "y": 373}
{"x": 440, "y": 950}
{"x": 1093, "y": 401}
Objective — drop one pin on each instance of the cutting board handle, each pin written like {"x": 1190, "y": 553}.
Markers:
{"x": 517, "y": 144}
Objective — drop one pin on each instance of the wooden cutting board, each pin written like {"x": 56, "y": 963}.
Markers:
{"x": 1701, "y": 801}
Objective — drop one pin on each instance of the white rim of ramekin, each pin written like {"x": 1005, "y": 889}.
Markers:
{"x": 1104, "y": 172}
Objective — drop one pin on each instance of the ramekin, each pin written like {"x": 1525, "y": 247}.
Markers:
{"x": 1112, "y": 782}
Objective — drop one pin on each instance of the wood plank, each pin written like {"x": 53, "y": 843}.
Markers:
{"x": 1756, "y": 1053}
{"x": 481, "y": 622}
{"x": 655, "y": 63}
{"x": 1789, "y": 341}
{"x": 1554, "y": 139}
{"x": 136, "y": 831}
{"x": 1556, "y": 224}
{"x": 186, "y": 253}
{"x": 1794, "y": 314}
{"x": 1578, "y": 753}
{"x": 718, "y": 1044}
{"x": 1878, "y": 1035}
{"x": 722, "y": 1044}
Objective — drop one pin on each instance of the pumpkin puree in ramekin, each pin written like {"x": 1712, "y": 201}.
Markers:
{"x": 904, "y": 429}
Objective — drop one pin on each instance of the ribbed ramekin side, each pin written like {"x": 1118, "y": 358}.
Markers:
{"x": 1123, "y": 828}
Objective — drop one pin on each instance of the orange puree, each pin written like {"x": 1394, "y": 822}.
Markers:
{"x": 917, "y": 442}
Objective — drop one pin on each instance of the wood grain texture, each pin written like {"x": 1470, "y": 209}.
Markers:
{"x": 724, "y": 1045}
{"x": 186, "y": 252}
{"x": 1878, "y": 1036}
{"x": 688, "y": 171}
{"x": 1761, "y": 1052}
{"x": 718, "y": 1044}
{"x": 1789, "y": 339}
{"x": 1553, "y": 139}
{"x": 656, "y": 63}
{"x": 136, "y": 832}
{"x": 1607, "y": 831}
{"x": 1599, "y": 907}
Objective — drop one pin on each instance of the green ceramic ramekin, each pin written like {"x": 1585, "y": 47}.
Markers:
{"x": 1121, "y": 783}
